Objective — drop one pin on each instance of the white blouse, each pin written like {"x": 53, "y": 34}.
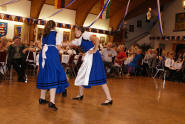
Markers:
{"x": 77, "y": 41}
{"x": 169, "y": 62}
{"x": 59, "y": 38}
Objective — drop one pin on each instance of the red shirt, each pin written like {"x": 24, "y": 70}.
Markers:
{"x": 121, "y": 55}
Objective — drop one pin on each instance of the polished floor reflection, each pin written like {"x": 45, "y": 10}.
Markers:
{"x": 136, "y": 101}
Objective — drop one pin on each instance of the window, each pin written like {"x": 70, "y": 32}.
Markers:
{"x": 131, "y": 28}
{"x": 139, "y": 23}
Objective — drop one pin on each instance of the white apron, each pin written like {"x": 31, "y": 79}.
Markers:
{"x": 83, "y": 75}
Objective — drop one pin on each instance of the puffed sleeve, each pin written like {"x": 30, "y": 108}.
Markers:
{"x": 86, "y": 35}
{"x": 59, "y": 38}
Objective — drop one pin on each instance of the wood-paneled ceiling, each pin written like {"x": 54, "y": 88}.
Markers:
{"x": 117, "y": 9}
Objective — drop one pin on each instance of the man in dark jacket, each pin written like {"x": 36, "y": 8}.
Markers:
{"x": 17, "y": 58}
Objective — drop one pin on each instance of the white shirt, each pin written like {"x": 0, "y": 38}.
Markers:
{"x": 59, "y": 38}
{"x": 105, "y": 54}
{"x": 85, "y": 35}
{"x": 71, "y": 52}
{"x": 169, "y": 62}
{"x": 128, "y": 60}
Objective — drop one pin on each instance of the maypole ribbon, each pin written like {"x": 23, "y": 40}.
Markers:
{"x": 159, "y": 17}
{"x": 62, "y": 9}
{"x": 100, "y": 14}
{"x": 126, "y": 12}
{"x": 9, "y": 2}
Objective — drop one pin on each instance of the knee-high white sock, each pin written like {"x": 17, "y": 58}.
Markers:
{"x": 43, "y": 94}
{"x": 81, "y": 91}
{"x": 52, "y": 95}
{"x": 106, "y": 91}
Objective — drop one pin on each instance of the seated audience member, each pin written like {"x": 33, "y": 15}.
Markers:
{"x": 177, "y": 72}
{"x": 135, "y": 63}
{"x": 115, "y": 47}
{"x": 17, "y": 58}
{"x": 107, "y": 55}
{"x": 129, "y": 59}
{"x": 147, "y": 62}
{"x": 3, "y": 43}
{"x": 121, "y": 57}
{"x": 169, "y": 62}
{"x": 119, "y": 60}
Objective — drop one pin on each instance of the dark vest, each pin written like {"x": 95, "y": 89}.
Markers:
{"x": 11, "y": 51}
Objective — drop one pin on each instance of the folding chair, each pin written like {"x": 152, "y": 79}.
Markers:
{"x": 161, "y": 69}
{"x": 3, "y": 67}
{"x": 70, "y": 66}
{"x": 31, "y": 62}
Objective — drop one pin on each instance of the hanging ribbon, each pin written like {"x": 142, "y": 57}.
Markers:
{"x": 126, "y": 12}
{"x": 102, "y": 4}
{"x": 100, "y": 14}
{"x": 159, "y": 17}
{"x": 61, "y": 9}
{"x": 9, "y": 2}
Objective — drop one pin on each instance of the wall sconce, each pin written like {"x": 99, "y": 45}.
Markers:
{"x": 183, "y": 4}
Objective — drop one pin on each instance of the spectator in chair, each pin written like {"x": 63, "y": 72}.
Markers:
{"x": 169, "y": 65}
{"x": 107, "y": 55}
{"x": 178, "y": 69}
{"x": 135, "y": 63}
{"x": 121, "y": 57}
{"x": 17, "y": 58}
{"x": 3, "y": 43}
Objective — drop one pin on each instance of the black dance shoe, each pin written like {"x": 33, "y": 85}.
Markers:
{"x": 43, "y": 101}
{"x": 52, "y": 106}
{"x": 107, "y": 103}
{"x": 64, "y": 94}
{"x": 78, "y": 98}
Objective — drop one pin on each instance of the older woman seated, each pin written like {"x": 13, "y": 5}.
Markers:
{"x": 135, "y": 63}
{"x": 119, "y": 60}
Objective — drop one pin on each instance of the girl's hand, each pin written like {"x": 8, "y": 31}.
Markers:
{"x": 92, "y": 51}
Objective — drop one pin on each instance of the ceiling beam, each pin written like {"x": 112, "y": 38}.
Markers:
{"x": 116, "y": 19}
{"x": 83, "y": 10}
{"x": 117, "y": 10}
{"x": 36, "y": 6}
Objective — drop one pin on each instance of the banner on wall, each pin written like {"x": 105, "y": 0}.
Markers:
{"x": 43, "y": 22}
{"x": 3, "y": 29}
{"x": 17, "y": 30}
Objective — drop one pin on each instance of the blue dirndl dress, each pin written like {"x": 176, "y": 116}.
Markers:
{"x": 51, "y": 73}
{"x": 97, "y": 73}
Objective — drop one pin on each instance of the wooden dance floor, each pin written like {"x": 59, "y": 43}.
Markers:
{"x": 136, "y": 101}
